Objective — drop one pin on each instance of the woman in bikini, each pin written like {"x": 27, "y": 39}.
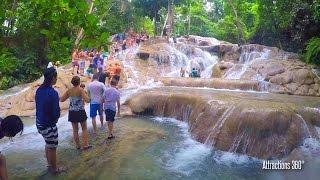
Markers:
{"x": 77, "y": 113}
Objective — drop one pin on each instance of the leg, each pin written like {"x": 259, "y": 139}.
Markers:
{"x": 3, "y": 168}
{"x": 101, "y": 115}
{"x": 47, "y": 155}
{"x": 52, "y": 158}
{"x": 75, "y": 129}
{"x": 94, "y": 125}
{"x": 72, "y": 69}
{"x": 110, "y": 128}
{"x": 101, "y": 120}
{"x": 93, "y": 114}
{"x": 85, "y": 135}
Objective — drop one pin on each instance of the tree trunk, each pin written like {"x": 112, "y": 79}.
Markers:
{"x": 164, "y": 26}
{"x": 189, "y": 19}
{"x": 155, "y": 11}
{"x": 80, "y": 33}
{"x": 170, "y": 19}
{"x": 238, "y": 24}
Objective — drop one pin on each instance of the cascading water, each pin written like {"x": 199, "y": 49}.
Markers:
{"x": 179, "y": 57}
{"x": 218, "y": 125}
{"x": 184, "y": 158}
{"x": 247, "y": 57}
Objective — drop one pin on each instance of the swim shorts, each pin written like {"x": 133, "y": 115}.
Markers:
{"x": 110, "y": 114}
{"x": 50, "y": 136}
{"x": 94, "y": 108}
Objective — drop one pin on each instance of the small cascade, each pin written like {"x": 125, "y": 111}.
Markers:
{"x": 316, "y": 72}
{"x": 236, "y": 142}
{"x": 186, "y": 113}
{"x": 185, "y": 57}
{"x": 247, "y": 57}
{"x": 218, "y": 125}
{"x": 305, "y": 126}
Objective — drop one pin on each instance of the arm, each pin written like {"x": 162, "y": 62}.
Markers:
{"x": 118, "y": 104}
{"x": 55, "y": 106}
{"x": 65, "y": 96}
{"x": 88, "y": 93}
{"x": 85, "y": 96}
{"x": 3, "y": 168}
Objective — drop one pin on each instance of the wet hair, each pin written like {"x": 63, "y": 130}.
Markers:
{"x": 108, "y": 74}
{"x": 114, "y": 82}
{"x": 116, "y": 77}
{"x": 95, "y": 77}
{"x": 49, "y": 75}
{"x": 75, "y": 81}
{"x": 11, "y": 125}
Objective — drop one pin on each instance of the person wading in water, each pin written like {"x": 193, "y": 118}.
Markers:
{"x": 77, "y": 113}
{"x": 111, "y": 99}
{"x": 47, "y": 115}
{"x": 96, "y": 90}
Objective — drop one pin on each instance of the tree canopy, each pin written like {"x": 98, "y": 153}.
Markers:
{"x": 34, "y": 32}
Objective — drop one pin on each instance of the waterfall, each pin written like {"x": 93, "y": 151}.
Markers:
{"x": 247, "y": 57}
{"x": 186, "y": 57}
{"x": 218, "y": 125}
{"x": 305, "y": 126}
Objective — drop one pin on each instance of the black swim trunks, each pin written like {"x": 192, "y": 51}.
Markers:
{"x": 110, "y": 114}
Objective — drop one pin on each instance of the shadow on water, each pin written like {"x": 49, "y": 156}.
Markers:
{"x": 144, "y": 148}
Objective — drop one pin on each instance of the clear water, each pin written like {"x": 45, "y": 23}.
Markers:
{"x": 144, "y": 148}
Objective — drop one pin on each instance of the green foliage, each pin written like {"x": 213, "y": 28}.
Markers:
{"x": 312, "y": 54}
{"x": 8, "y": 63}
{"x": 14, "y": 71}
{"x": 34, "y": 32}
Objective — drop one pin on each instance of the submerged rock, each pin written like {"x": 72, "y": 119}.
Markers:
{"x": 260, "y": 125}
{"x": 216, "y": 83}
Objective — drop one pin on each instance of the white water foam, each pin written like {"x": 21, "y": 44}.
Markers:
{"x": 190, "y": 153}
{"x": 245, "y": 60}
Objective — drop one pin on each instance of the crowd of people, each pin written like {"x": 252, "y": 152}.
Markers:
{"x": 126, "y": 40}
{"x": 101, "y": 93}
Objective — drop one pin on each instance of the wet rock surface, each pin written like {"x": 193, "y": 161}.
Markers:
{"x": 260, "y": 125}
{"x": 23, "y": 104}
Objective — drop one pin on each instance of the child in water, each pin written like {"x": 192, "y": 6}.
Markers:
{"x": 111, "y": 105}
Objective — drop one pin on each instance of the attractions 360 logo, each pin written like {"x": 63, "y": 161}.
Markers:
{"x": 279, "y": 165}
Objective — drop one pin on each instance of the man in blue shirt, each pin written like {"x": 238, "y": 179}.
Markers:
{"x": 96, "y": 61}
{"x": 48, "y": 113}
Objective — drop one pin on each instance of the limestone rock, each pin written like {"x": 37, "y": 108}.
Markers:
{"x": 303, "y": 76}
{"x": 292, "y": 87}
{"x": 216, "y": 72}
{"x": 281, "y": 79}
{"x": 276, "y": 133}
{"x": 302, "y": 90}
